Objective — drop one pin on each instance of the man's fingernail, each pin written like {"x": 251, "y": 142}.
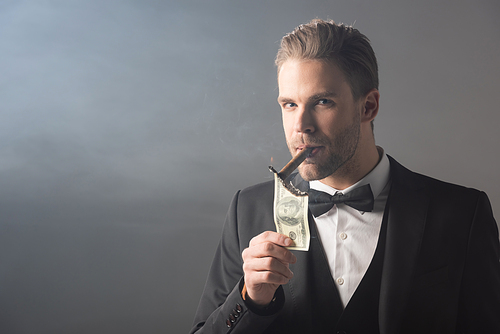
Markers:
{"x": 288, "y": 242}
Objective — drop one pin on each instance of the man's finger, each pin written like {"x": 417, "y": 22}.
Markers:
{"x": 267, "y": 264}
{"x": 270, "y": 236}
{"x": 268, "y": 249}
{"x": 265, "y": 277}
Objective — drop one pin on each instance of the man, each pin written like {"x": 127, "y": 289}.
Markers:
{"x": 421, "y": 257}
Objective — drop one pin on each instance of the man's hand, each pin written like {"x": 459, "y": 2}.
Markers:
{"x": 266, "y": 266}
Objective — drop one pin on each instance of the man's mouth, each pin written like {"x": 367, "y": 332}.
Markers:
{"x": 315, "y": 150}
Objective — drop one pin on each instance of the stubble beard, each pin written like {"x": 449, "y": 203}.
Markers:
{"x": 339, "y": 154}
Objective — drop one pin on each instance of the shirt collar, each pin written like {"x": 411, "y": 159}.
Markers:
{"x": 377, "y": 178}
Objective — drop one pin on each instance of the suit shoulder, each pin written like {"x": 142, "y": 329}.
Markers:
{"x": 254, "y": 201}
{"x": 437, "y": 184}
{"x": 438, "y": 187}
{"x": 252, "y": 211}
{"x": 445, "y": 199}
{"x": 257, "y": 191}
{"x": 442, "y": 188}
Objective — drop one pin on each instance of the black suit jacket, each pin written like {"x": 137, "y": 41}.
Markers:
{"x": 441, "y": 270}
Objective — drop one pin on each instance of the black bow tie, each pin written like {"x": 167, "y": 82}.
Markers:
{"x": 360, "y": 198}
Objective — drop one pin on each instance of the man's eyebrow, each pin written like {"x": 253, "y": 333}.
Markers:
{"x": 322, "y": 95}
{"x": 318, "y": 96}
{"x": 284, "y": 99}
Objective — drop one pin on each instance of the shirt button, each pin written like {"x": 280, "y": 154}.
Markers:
{"x": 340, "y": 281}
{"x": 343, "y": 236}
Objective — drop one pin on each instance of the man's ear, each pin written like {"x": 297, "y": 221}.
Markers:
{"x": 370, "y": 109}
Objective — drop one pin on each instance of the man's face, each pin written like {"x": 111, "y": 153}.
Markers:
{"x": 319, "y": 111}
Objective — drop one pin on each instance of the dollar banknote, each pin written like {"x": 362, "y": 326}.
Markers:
{"x": 290, "y": 215}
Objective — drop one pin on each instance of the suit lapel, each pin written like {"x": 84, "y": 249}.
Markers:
{"x": 408, "y": 204}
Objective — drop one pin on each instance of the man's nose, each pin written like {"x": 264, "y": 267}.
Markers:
{"x": 304, "y": 121}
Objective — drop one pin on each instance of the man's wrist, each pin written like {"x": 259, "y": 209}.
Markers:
{"x": 274, "y": 306}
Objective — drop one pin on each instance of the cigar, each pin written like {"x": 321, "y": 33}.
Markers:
{"x": 294, "y": 163}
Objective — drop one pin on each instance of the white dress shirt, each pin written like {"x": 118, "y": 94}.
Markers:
{"x": 350, "y": 237}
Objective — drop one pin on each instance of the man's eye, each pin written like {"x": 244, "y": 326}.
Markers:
{"x": 323, "y": 101}
{"x": 290, "y": 105}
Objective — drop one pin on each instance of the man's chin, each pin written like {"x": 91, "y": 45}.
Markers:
{"x": 310, "y": 174}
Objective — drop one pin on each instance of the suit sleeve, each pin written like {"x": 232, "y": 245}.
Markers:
{"x": 222, "y": 308}
{"x": 480, "y": 290}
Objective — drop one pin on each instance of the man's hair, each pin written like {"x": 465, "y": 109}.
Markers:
{"x": 345, "y": 46}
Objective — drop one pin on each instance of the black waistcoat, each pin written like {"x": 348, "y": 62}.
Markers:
{"x": 314, "y": 304}
{"x": 361, "y": 313}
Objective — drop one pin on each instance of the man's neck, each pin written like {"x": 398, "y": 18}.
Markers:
{"x": 355, "y": 170}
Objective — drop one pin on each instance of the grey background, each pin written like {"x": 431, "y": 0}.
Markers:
{"x": 127, "y": 126}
